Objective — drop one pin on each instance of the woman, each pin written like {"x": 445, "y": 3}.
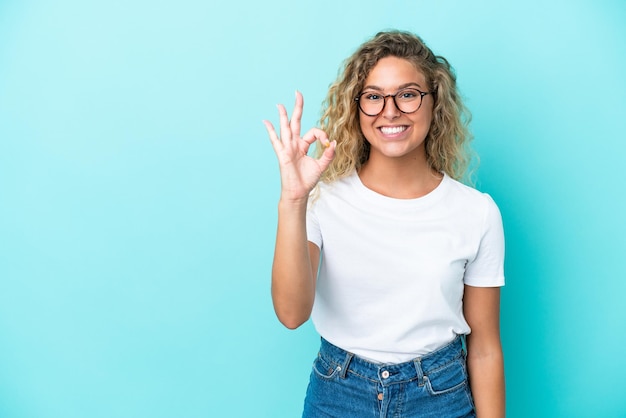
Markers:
{"x": 395, "y": 260}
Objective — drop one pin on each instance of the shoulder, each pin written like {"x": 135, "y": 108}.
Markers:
{"x": 325, "y": 190}
{"x": 472, "y": 201}
{"x": 469, "y": 194}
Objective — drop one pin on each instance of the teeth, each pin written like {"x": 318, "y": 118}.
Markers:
{"x": 390, "y": 130}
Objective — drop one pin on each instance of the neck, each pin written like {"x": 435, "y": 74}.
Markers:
{"x": 402, "y": 178}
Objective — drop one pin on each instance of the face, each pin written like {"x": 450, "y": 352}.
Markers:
{"x": 392, "y": 133}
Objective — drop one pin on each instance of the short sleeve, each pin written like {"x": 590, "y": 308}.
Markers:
{"x": 487, "y": 268}
{"x": 313, "y": 232}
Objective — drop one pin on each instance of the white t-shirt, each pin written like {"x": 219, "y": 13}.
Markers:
{"x": 392, "y": 271}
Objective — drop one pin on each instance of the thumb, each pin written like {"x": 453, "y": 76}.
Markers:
{"x": 327, "y": 156}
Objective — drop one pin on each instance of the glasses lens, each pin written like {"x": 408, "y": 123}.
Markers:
{"x": 409, "y": 100}
{"x": 371, "y": 103}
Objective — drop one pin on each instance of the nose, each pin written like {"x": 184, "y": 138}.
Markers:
{"x": 390, "y": 111}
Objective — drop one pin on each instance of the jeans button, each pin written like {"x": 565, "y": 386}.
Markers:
{"x": 385, "y": 374}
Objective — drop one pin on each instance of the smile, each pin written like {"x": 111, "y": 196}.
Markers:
{"x": 392, "y": 130}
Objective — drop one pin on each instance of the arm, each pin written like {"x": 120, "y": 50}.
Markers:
{"x": 294, "y": 270}
{"x": 295, "y": 264}
{"x": 481, "y": 307}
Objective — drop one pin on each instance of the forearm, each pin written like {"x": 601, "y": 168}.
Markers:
{"x": 486, "y": 376}
{"x": 293, "y": 284}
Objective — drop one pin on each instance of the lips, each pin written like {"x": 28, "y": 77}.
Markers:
{"x": 392, "y": 130}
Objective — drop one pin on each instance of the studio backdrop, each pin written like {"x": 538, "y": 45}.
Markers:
{"x": 138, "y": 196}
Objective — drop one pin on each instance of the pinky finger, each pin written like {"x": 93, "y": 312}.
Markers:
{"x": 272, "y": 134}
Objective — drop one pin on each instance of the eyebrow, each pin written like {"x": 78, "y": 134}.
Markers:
{"x": 400, "y": 87}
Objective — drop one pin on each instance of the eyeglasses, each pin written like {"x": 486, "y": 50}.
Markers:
{"x": 406, "y": 100}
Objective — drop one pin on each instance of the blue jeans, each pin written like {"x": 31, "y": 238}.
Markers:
{"x": 343, "y": 385}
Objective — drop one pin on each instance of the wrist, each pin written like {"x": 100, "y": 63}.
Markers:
{"x": 289, "y": 202}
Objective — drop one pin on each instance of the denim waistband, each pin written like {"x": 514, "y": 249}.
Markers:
{"x": 392, "y": 373}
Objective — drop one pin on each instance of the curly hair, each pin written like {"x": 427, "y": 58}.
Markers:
{"x": 447, "y": 142}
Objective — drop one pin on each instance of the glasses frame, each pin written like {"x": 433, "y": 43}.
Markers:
{"x": 385, "y": 97}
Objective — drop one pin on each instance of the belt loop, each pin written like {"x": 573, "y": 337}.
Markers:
{"x": 418, "y": 369}
{"x": 346, "y": 363}
{"x": 463, "y": 338}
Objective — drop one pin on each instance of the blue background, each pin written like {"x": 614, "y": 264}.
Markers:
{"x": 138, "y": 195}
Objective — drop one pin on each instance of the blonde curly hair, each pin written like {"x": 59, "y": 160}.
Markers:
{"x": 447, "y": 142}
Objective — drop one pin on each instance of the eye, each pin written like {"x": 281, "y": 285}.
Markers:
{"x": 408, "y": 94}
{"x": 372, "y": 96}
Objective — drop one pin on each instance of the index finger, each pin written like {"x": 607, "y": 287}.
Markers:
{"x": 316, "y": 134}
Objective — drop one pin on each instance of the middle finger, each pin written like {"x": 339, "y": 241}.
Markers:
{"x": 296, "y": 116}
